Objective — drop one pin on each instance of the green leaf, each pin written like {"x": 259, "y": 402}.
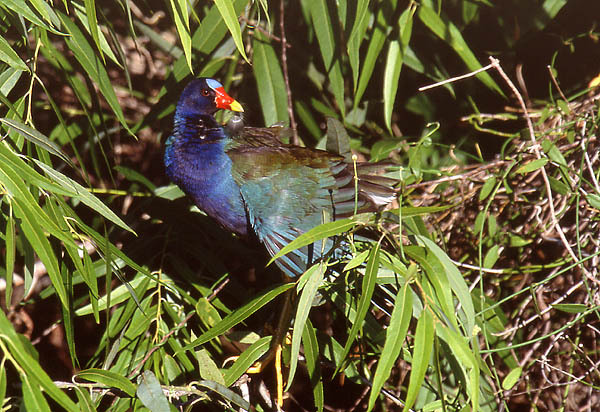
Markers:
{"x": 102, "y": 43}
{"x": 311, "y": 353}
{"x": 356, "y": 261}
{"x": 410, "y": 211}
{"x": 420, "y": 357}
{"x": 323, "y": 25}
{"x": 182, "y": 23}
{"x": 570, "y": 307}
{"x": 593, "y": 200}
{"x": 467, "y": 361}
{"x": 90, "y": 12}
{"x": 456, "y": 283}
{"x": 512, "y": 378}
{"x": 246, "y": 360}
{"x": 33, "y": 397}
{"x": 8, "y": 79}
{"x": 208, "y": 368}
{"x": 151, "y": 394}
{"x": 491, "y": 257}
{"x": 317, "y": 233}
{"x": 37, "y": 138}
{"x": 31, "y": 366}
{"x": 532, "y": 166}
{"x": 22, "y": 9}
{"x": 394, "y": 338}
{"x": 86, "y": 404}
{"x": 34, "y": 233}
{"x": 93, "y": 67}
{"x": 108, "y": 378}
{"x": 393, "y": 65}
{"x": 239, "y": 315}
{"x": 269, "y": 81}
{"x": 226, "y": 393}
{"x": 356, "y": 37}
{"x": 375, "y": 46}
{"x": 487, "y": 188}
{"x": 368, "y": 286}
{"x": 230, "y": 17}
{"x": 9, "y": 56}
{"x": 207, "y": 312}
{"x": 119, "y": 294}
{"x": 82, "y": 194}
{"x": 10, "y": 257}
{"x": 314, "y": 277}
{"x": 338, "y": 140}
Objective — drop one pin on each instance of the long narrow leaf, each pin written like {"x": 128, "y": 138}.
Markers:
{"x": 246, "y": 360}
{"x": 108, "y": 378}
{"x": 320, "y": 232}
{"x": 421, "y": 355}
{"x": 239, "y": 315}
{"x": 230, "y": 17}
{"x": 394, "y": 338}
{"x": 30, "y": 365}
{"x": 182, "y": 23}
{"x": 9, "y": 56}
{"x": 315, "y": 277}
{"x": 269, "y": 81}
{"x": 37, "y": 138}
{"x": 82, "y": 194}
{"x": 93, "y": 66}
{"x": 357, "y": 35}
{"x": 323, "y": 25}
{"x": 375, "y": 47}
{"x": 311, "y": 353}
{"x": 393, "y": 65}
{"x": 364, "y": 303}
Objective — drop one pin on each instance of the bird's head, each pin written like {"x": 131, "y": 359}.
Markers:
{"x": 205, "y": 96}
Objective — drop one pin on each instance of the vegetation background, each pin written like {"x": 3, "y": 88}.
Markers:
{"x": 482, "y": 293}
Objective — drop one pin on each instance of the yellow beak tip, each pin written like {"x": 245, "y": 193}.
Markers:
{"x": 236, "y": 106}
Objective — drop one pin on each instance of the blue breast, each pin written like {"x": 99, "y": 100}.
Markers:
{"x": 202, "y": 169}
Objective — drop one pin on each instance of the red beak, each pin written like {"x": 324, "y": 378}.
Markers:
{"x": 224, "y": 101}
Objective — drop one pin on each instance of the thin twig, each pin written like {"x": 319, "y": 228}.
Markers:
{"x": 556, "y": 84}
{"x": 295, "y": 139}
{"x": 254, "y": 25}
{"x": 453, "y": 79}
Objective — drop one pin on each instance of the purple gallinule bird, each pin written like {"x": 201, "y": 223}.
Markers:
{"x": 250, "y": 182}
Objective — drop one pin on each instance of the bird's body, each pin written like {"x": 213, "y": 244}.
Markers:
{"x": 248, "y": 181}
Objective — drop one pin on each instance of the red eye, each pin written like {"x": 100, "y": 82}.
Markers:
{"x": 205, "y": 92}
